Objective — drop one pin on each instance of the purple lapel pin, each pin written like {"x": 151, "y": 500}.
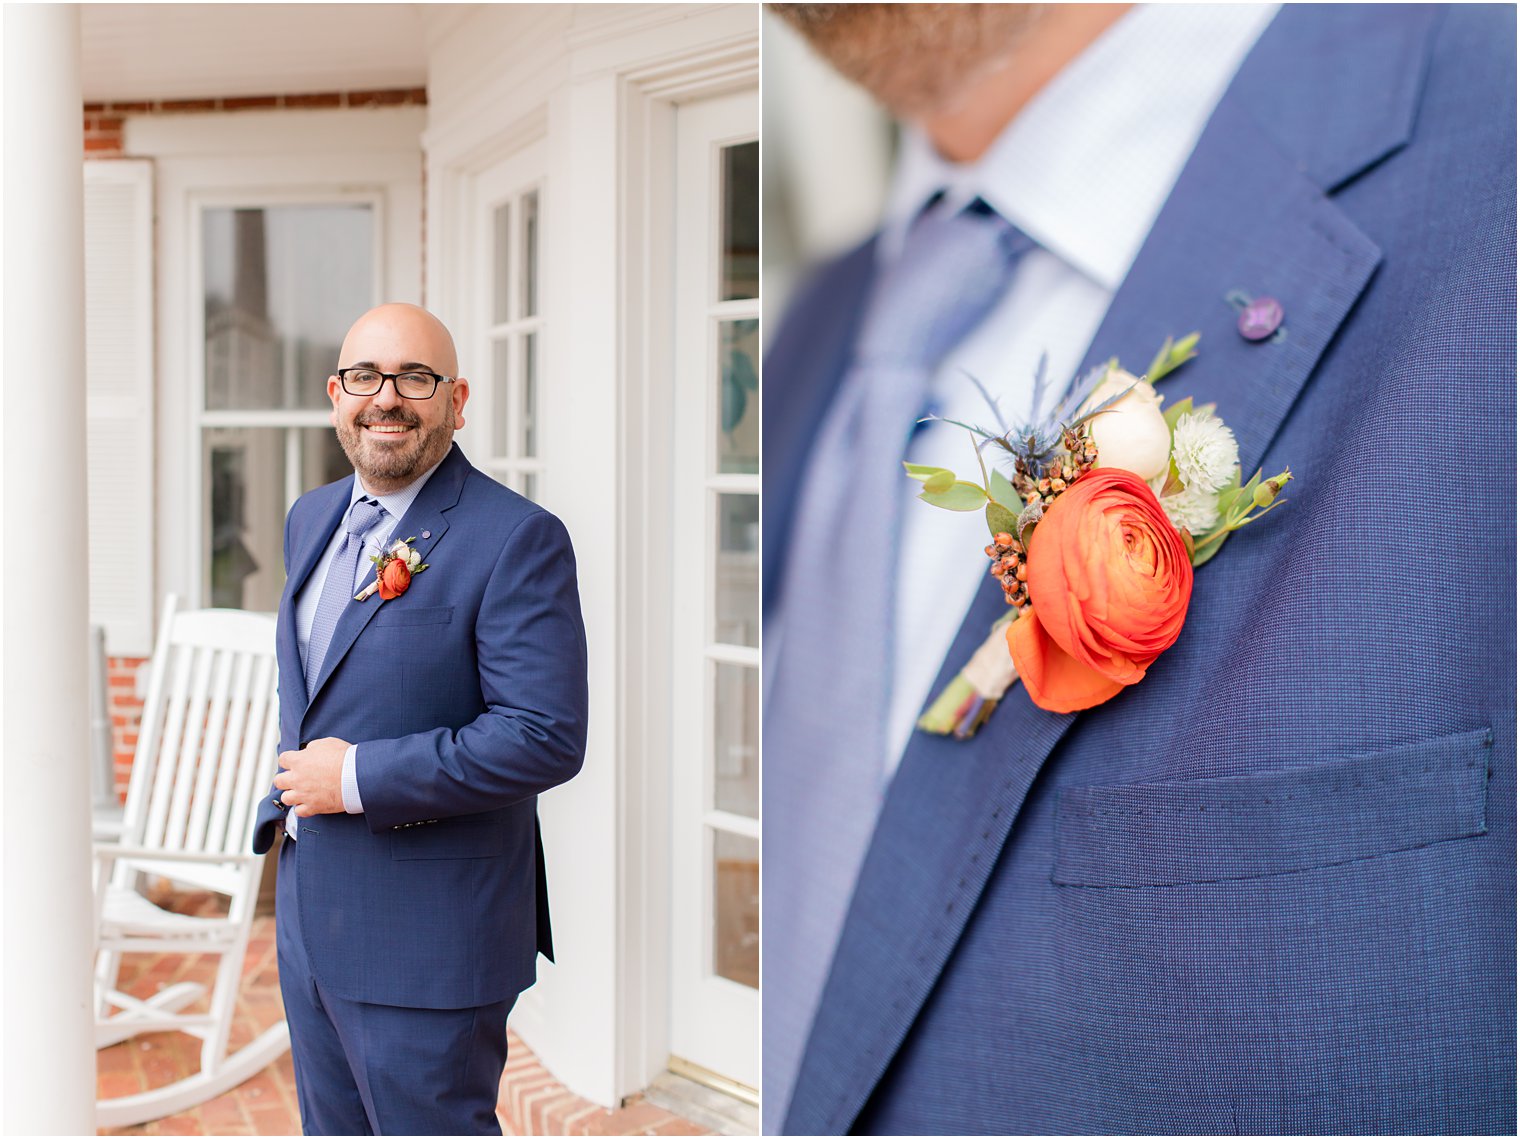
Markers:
{"x": 1260, "y": 317}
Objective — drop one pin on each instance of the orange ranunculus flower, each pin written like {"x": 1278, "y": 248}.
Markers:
{"x": 394, "y": 578}
{"x": 1109, "y": 584}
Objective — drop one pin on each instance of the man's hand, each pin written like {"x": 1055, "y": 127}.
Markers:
{"x": 312, "y": 779}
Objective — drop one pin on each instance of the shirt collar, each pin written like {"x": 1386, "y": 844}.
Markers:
{"x": 398, "y": 502}
{"x": 1088, "y": 163}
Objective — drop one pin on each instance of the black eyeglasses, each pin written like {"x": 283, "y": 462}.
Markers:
{"x": 408, "y": 385}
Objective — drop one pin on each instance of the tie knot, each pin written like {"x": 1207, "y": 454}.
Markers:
{"x": 363, "y": 515}
{"x": 954, "y": 267}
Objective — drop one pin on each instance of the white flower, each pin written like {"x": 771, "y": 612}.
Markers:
{"x": 1204, "y": 450}
{"x": 413, "y": 560}
{"x": 1132, "y": 434}
{"x": 1194, "y": 509}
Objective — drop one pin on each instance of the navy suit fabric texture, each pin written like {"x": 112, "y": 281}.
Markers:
{"x": 467, "y": 697}
{"x": 1272, "y": 888}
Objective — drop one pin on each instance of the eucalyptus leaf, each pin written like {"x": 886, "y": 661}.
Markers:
{"x": 939, "y": 482}
{"x": 1000, "y": 521}
{"x": 921, "y": 472}
{"x": 959, "y": 496}
{"x": 1001, "y": 491}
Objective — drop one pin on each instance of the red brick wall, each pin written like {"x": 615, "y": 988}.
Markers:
{"x": 126, "y": 714}
{"x": 103, "y": 121}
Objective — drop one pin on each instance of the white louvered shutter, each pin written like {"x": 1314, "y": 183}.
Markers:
{"x": 118, "y": 228}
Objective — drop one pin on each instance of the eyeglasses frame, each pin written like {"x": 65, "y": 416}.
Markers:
{"x": 393, "y": 377}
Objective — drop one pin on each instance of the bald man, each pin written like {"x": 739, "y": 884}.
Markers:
{"x": 418, "y": 725}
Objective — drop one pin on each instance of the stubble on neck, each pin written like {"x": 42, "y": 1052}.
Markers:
{"x": 962, "y": 72}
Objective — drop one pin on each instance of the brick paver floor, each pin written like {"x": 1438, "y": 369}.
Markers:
{"x": 531, "y": 1101}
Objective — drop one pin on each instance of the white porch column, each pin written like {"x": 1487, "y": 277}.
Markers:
{"x": 49, "y": 1052}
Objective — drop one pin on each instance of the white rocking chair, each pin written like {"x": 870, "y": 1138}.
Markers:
{"x": 205, "y": 754}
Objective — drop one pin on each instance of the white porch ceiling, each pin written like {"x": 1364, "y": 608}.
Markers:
{"x": 135, "y": 52}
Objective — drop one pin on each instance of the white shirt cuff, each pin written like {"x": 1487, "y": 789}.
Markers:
{"x": 351, "y": 802}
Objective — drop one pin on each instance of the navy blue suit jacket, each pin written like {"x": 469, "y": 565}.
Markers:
{"x": 1272, "y": 888}
{"x": 467, "y": 696}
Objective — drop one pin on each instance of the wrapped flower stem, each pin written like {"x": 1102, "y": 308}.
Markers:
{"x": 969, "y": 699}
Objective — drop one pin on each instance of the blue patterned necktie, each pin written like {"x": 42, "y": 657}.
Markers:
{"x": 338, "y": 589}
{"x": 826, "y": 708}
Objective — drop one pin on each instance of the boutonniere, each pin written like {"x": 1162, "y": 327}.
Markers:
{"x": 393, "y": 570}
{"x": 1108, "y": 505}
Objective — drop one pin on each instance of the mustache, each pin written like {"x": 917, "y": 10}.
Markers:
{"x": 397, "y": 418}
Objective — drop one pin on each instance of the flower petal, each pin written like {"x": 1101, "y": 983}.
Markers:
{"x": 1056, "y": 681}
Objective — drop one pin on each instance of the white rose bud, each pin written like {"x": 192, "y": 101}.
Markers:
{"x": 1132, "y": 434}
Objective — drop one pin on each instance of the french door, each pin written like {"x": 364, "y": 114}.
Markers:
{"x": 715, "y": 839}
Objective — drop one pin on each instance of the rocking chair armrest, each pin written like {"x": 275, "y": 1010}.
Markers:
{"x": 113, "y": 850}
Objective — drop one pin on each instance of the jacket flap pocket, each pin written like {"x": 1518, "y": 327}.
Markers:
{"x": 1250, "y": 826}
{"x": 448, "y": 840}
{"x": 392, "y": 614}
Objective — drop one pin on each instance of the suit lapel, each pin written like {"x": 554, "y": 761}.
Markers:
{"x": 304, "y": 559}
{"x": 802, "y": 372}
{"x": 425, "y": 515}
{"x": 1243, "y": 216}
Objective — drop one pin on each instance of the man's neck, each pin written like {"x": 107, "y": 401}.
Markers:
{"x": 963, "y": 130}
{"x": 380, "y": 488}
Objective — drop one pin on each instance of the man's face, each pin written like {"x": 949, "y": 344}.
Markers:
{"x": 389, "y": 439}
{"x": 913, "y": 58}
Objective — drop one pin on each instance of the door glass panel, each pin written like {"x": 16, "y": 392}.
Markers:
{"x": 501, "y": 263}
{"x": 244, "y": 472}
{"x": 739, "y": 398}
{"x": 282, "y": 285}
{"x": 736, "y": 908}
{"x": 736, "y": 585}
{"x": 741, "y": 222}
{"x": 501, "y": 391}
{"x": 736, "y": 721}
{"x": 530, "y": 253}
{"x": 529, "y": 395}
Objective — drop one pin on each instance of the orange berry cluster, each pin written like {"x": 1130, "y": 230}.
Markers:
{"x": 1008, "y": 566}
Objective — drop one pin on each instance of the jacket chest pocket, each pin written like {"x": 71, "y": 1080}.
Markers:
{"x": 395, "y": 616}
{"x": 1276, "y": 822}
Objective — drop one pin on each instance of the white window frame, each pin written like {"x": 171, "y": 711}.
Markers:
{"x": 277, "y": 418}
{"x": 508, "y": 182}
{"x": 257, "y": 158}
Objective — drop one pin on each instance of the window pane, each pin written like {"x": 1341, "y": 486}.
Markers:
{"x": 282, "y": 286}
{"x": 530, "y": 396}
{"x": 741, "y": 221}
{"x": 736, "y": 737}
{"x": 736, "y": 571}
{"x": 245, "y": 478}
{"x": 739, "y": 397}
{"x": 501, "y": 311}
{"x": 501, "y": 397}
{"x": 530, "y": 253}
{"x": 530, "y": 486}
{"x": 736, "y": 908}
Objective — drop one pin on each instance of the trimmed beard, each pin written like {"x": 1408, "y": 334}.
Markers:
{"x": 388, "y": 463}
